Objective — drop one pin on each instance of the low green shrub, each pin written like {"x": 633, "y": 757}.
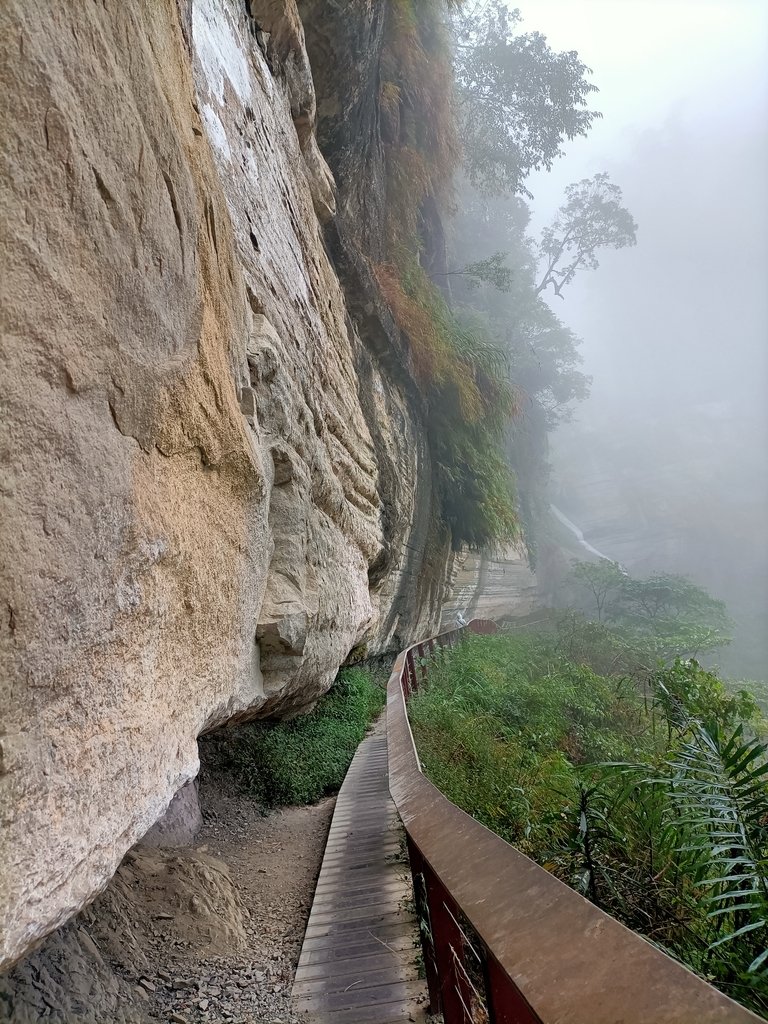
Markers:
{"x": 505, "y": 722}
{"x": 304, "y": 759}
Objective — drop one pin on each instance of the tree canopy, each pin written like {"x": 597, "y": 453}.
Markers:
{"x": 590, "y": 219}
{"x": 518, "y": 99}
{"x": 672, "y": 615}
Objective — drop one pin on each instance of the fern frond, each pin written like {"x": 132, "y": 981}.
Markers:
{"x": 720, "y": 788}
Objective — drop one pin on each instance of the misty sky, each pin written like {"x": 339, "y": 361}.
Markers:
{"x": 684, "y": 93}
{"x": 675, "y": 330}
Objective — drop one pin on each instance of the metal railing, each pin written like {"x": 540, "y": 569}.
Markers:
{"x": 504, "y": 941}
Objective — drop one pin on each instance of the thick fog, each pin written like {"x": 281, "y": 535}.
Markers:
{"x": 665, "y": 466}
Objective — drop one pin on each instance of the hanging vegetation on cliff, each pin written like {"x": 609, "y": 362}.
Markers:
{"x": 463, "y": 377}
{"x": 493, "y": 349}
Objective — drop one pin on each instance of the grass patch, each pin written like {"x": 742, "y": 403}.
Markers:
{"x": 647, "y": 793}
{"x": 504, "y": 723}
{"x": 305, "y": 759}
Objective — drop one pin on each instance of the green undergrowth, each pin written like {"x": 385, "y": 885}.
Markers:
{"x": 304, "y": 759}
{"x": 649, "y": 796}
{"x": 503, "y": 723}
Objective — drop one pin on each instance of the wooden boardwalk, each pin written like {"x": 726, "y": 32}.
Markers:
{"x": 358, "y": 961}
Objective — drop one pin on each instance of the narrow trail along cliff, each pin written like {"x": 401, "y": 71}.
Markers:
{"x": 210, "y": 932}
{"x": 218, "y": 483}
{"x": 278, "y": 377}
{"x": 360, "y": 955}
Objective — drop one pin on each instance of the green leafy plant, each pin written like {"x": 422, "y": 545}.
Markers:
{"x": 708, "y": 799}
{"x": 468, "y": 402}
{"x": 648, "y": 793}
{"x": 301, "y": 760}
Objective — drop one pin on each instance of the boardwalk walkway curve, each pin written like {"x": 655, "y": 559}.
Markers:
{"x": 358, "y": 963}
{"x": 503, "y": 941}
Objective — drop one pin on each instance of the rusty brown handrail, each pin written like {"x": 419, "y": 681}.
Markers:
{"x": 503, "y": 940}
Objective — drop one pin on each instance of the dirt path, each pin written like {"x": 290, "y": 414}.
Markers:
{"x": 192, "y": 935}
{"x": 273, "y": 863}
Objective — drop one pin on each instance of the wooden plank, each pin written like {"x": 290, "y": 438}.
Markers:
{"x": 350, "y": 966}
{"x": 390, "y": 1014}
{"x": 375, "y": 909}
{"x": 357, "y": 963}
{"x": 367, "y": 945}
{"x": 345, "y": 900}
{"x": 359, "y": 980}
{"x": 394, "y": 992}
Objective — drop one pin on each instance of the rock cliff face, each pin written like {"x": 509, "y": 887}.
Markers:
{"x": 485, "y": 585}
{"x": 214, "y": 478}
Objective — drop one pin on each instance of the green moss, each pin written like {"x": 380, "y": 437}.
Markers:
{"x": 305, "y": 759}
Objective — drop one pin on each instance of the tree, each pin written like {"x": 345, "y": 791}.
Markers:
{"x": 544, "y": 362}
{"x": 667, "y": 598}
{"x": 592, "y": 218}
{"x": 518, "y": 99}
{"x": 602, "y": 580}
{"x": 492, "y": 270}
{"x": 666, "y": 615}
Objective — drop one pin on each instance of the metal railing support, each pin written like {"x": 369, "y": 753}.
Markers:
{"x": 421, "y": 899}
{"x": 505, "y": 1003}
{"x": 455, "y": 991}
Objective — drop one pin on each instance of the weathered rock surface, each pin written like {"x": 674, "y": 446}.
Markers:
{"x": 214, "y": 482}
{"x": 486, "y": 585}
{"x": 181, "y": 822}
{"x": 67, "y": 981}
{"x": 195, "y": 935}
{"x": 157, "y": 900}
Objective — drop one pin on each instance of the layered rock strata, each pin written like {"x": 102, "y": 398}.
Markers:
{"x": 214, "y": 477}
{"x": 490, "y": 585}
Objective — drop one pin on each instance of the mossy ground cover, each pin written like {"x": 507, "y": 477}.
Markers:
{"x": 304, "y": 759}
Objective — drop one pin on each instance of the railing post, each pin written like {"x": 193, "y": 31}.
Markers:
{"x": 410, "y": 672}
{"x": 422, "y": 665}
{"x": 505, "y": 1004}
{"x": 421, "y": 899}
{"x": 455, "y": 992}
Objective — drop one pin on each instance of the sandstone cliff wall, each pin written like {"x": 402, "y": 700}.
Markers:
{"x": 214, "y": 479}
{"x": 490, "y": 585}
